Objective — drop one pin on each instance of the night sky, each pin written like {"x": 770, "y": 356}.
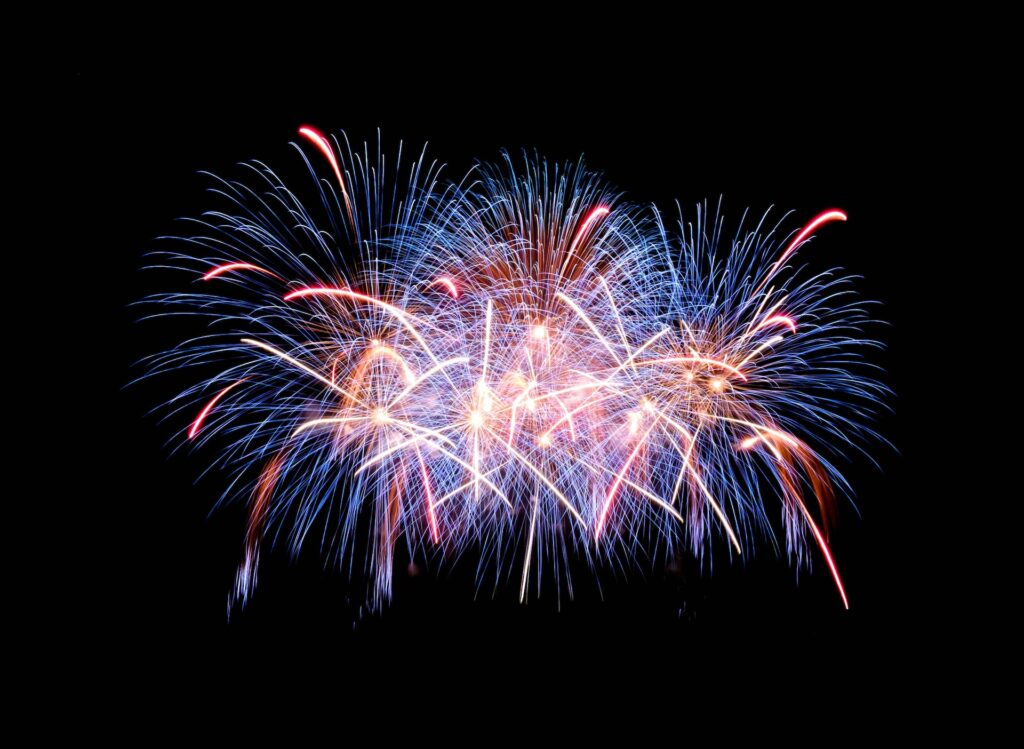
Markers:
{"x": 794, "y": 141}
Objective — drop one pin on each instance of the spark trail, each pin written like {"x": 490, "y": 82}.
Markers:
{"x": 523, "y": 362}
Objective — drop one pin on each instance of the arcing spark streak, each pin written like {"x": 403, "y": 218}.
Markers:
{"x": 521, "y": 364}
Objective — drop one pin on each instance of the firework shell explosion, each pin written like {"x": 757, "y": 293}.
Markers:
{"x": 519, "y": 364}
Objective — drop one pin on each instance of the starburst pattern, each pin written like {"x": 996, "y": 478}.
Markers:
{"x": 520, "y": 363}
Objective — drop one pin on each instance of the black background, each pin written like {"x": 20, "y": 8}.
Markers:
{"x": 816, "y": 134}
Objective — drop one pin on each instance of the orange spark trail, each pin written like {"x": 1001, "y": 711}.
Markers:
{"x": 231, "y": 267}
{"x": 347, "y": 293}
{"x": 429, "y": 496}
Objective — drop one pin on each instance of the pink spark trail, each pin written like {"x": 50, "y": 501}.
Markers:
{"x": 592, "y": 218}
{"x": 448, "y": 284}
{"x": 819, "y": 220}
{"x": 784, "y": 320}
{"x": 198, "y": 423}
{"x": 317, "y": 139}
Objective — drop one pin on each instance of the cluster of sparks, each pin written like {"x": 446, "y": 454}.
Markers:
{"x": 518, "y": 363}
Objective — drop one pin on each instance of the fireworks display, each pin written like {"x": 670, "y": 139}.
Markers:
{"x": 519, "y": 367}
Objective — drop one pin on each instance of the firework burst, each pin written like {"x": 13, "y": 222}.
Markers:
{"x": 520, "y": 363}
